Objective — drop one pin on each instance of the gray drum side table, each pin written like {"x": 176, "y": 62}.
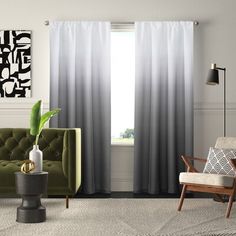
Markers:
{"x": 31, "y": 187}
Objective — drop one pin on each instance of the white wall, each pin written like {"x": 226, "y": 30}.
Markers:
{"x": 215, "y": 41}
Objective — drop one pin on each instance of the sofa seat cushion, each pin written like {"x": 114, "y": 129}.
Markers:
{"x": 206, "y": 179}
{"x": 54, "y": 168}
{"x": 7, "y": 169}
{"x": 56, "y": 177}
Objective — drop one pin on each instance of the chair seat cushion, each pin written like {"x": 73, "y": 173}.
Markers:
{"x": 206, "y": 179}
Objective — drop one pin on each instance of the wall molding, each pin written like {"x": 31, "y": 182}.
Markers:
{"x": 15, "y": 113}
{"x": 27, "y": 104}
{"x": 20, "y": 104}
{"x": 214, "y": 106}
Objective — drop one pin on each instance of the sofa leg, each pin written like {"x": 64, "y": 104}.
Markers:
{"x": 182, "y": 197}
{"x": 67, "y": 201}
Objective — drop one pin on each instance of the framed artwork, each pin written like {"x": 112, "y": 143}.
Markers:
{"x": 15, "y": 63}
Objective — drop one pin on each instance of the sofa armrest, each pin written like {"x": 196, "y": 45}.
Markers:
{"x": 78, "y": 159}
{"x": 71, "y": 158}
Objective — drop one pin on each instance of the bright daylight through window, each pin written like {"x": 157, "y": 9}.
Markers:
{"x": 122, "y": 87}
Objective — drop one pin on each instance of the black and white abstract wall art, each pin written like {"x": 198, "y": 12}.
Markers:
{"x": 15, "y": 63}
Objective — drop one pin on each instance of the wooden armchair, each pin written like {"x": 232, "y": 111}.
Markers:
{"x": 217, "y": 184}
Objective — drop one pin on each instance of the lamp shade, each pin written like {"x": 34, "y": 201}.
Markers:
{"x": 213, "y": 77}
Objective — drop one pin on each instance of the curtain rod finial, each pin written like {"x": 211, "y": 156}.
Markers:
{"x": 46, "y": 22}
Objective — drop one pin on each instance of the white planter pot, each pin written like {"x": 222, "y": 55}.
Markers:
{"x": 36, "y": 156}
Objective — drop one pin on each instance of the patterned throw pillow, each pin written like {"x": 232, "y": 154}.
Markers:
{"x": 218, "y": 161}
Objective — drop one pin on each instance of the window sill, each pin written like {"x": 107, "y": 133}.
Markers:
{"x": 122, "y": 144}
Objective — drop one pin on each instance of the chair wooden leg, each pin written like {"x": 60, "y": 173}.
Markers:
{"x": 182, "y": 197}
{"x": 67, "y": 201}
{"x": 231, "y": 199}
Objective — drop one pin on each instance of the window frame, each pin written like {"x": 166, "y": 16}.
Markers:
{"x": 122, "y": 27}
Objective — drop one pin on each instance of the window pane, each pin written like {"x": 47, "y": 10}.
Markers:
{"x": 122, "y": 87}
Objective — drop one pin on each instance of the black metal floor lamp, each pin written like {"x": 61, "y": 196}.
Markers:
{"x": 213, "y": 79}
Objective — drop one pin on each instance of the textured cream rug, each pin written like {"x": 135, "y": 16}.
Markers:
{"x": 107, "y": 217}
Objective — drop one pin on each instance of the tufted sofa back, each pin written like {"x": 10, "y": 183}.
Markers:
{"x": 15, "y": 144}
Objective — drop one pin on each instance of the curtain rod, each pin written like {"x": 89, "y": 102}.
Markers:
{"x": 46, "y": 22}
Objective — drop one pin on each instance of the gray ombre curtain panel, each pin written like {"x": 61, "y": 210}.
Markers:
{"x": 163, "y": 104}
{"x": 80, "y": 86}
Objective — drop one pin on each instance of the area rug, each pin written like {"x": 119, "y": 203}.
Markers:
{"x": 123, "y": 217}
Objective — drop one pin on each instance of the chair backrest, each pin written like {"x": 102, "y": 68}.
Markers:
{"x": 216, "y": 161}
{"x": 226, "y": 142}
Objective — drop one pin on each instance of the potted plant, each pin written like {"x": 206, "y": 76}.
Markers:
{"x": 37, "y": 122}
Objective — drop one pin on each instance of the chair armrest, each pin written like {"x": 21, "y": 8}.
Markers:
{"x": 197, "y": 159}
{"x": 187, "y": 161}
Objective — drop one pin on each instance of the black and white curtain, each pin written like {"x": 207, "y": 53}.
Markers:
{"x": 163, "y": 104}
{"x": 80, "y": 86}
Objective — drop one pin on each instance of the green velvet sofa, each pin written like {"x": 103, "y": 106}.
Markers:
{"x": 61, "y": 158}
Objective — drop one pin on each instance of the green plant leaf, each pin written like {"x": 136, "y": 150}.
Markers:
{"x": 35, "y": 118}
{"x": 46, "y": 117}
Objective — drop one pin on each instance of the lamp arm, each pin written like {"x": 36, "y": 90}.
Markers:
{"x": 221, "y": 68}
{"x": 224, "y": 103}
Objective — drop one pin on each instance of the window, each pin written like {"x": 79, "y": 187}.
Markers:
{"x": 122, "y": 87}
